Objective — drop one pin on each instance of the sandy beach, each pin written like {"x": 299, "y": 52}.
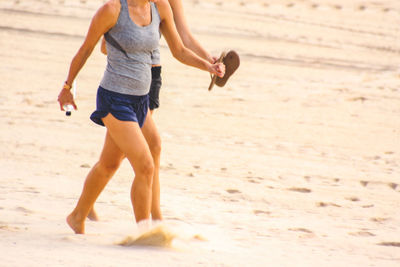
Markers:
{"x": 295, "y": 162}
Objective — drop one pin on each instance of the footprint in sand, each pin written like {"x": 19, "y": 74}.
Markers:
{"x": 304, "y": 230}
{"x": 258, "y": 212}
{"x": 300, "y": 190}
{"x": 233, "y": 191}
{"x": 368, "y": 206}
{"x": 389, "y": 244}
{"x": 338, "y": 7}
{"x": 326, "y": 204}
{"x": 254, "y": 180}
{"x": 393, "y": 185}
{"x": 24, "y": 210}
{"x": 379, "y": 219}
{"x": 362, "y": 7}
{"x": 32, "y": 190}
{"x": 364, "y": 183}
{"x": 41, "y": 105}
{"x": 250, "y": 180}
{"x": 27, "y": 101}
{"x": 354, "y": 199}
{"x": 360, "y": 98}
{"x": 9, "y": 228}
{"x": 362, "y": 234}
{"x": 169, "y": 167}
{"x": 305, "y": 233}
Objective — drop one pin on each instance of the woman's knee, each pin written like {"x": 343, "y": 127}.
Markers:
{"x": 108, "y": 168}
{"x": 145, "y": 170}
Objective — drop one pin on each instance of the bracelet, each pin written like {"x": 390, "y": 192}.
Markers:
{"x": 67, "y": 86}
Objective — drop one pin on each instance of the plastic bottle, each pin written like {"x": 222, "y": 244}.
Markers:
{"x": 69, "y": 108}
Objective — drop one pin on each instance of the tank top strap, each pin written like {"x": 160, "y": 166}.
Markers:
{"x": 124, "y": 16}
{"x": 124, "y": 12}
{"x": 124, "y": 4}
{"x": 155, "y": 15}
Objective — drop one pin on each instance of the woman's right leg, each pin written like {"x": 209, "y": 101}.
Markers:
{"x": 128, "y": 136}
{"x": 153, "y": 139}
{"x": 98, "y": 177}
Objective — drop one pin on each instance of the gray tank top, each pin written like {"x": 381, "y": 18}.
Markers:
{"x": 155, "y": 57}
{"x": 129, "y": 72}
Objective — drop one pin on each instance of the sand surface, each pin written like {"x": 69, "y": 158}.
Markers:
{"x": 296, "y": 162}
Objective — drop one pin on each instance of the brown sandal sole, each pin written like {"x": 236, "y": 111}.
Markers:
{"x": 231, "y": 61}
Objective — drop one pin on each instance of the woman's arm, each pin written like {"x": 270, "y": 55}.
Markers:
{"x": 175, "y": 44}
{"x": 184, "y": 32}
{"x": 104, "y": 19}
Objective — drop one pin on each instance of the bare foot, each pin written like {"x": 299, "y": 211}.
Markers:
{"x": 93, "y": 215}
{"x": 78, "y": 227}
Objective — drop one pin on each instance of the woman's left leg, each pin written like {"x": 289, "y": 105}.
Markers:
{"x": 108, "y": 163}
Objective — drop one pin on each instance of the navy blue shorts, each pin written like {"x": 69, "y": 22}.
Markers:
{"x": 121, "y": 106}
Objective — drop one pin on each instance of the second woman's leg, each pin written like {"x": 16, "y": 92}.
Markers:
{"x": 153, "y": 139}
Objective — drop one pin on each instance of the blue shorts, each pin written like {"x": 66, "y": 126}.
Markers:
{"x": 121, "y": 106}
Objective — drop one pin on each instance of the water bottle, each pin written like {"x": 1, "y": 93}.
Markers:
{"x": 68, "y": 108}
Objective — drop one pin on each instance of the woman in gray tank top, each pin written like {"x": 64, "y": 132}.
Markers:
{"x": 122, "y": 107}
{"x": 155, "y": 140}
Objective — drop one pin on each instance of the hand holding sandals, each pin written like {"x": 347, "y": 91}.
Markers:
{"x": 231, "y": 61}
{"x": 217, "y": 69}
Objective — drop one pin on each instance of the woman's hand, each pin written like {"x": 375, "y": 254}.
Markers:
{"x": 66, "y": 98}
{"x": 212, "y": 59}
{"x": 217, "y": 69}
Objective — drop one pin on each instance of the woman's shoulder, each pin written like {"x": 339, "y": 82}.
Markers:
{"x": 108, "y": 13}
{"x": 163, "y": 7}
{"x": 111, "y": 7}
{"x": 162, "y": 3}
{"x": 175, "y": 3}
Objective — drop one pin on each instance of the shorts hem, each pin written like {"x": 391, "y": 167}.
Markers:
{"x": 97, "y": 117}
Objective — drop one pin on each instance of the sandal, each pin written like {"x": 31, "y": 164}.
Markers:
{"x": 231, "y": 61}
